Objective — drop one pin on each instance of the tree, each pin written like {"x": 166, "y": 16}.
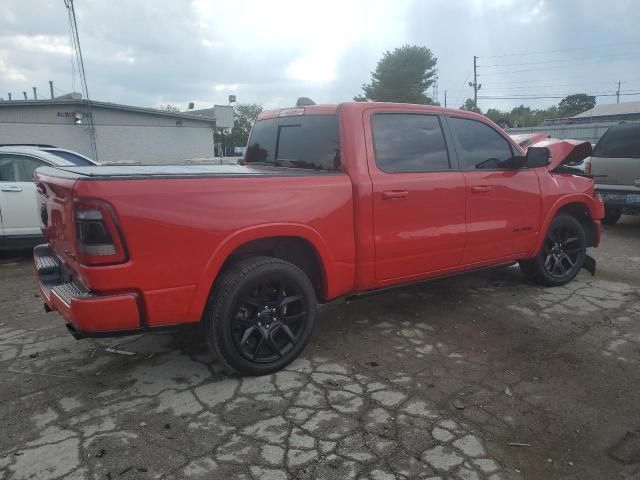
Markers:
{"x": 170, "y": 108}
{"x": 574, "y": 104}
{"x": 470, "y": 106}
{"x": 501, "y": 118}
{"x": 403, "y": 75}
{"x": 245, "y": 115}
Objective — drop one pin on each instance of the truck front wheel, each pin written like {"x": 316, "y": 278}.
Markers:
{"x": 261, "y": 315}
{"x": 562, "y": 253}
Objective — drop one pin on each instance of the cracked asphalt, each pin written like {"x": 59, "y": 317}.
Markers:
{"x": 474, "y": 377}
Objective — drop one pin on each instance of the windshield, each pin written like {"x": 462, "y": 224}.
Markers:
{"x": 310, "y": 141}
{"x": 622, "y": 141}
{"x": 70, "y": 157}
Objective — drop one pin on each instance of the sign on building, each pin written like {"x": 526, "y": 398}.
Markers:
{"x": 224, "y": 116}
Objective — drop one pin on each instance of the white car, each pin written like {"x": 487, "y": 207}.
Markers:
{"x": 19, "y": 214}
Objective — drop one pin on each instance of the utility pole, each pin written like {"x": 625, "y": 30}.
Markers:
{"x": 35, "y": 94}
{"x": 475, "y": 83}
{"x": 75, "y": 44}
{"x": 51, "y": 88}
{"x": 476, "y": 86}
{"x": 445, "y": 99}
{"x": 618, "y": 93}
{"x": 25, "y": 95}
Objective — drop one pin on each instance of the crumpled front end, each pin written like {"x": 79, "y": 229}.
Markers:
{"x": 564, "y": 152}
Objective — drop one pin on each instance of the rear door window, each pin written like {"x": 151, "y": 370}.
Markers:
{"x": 18, "y": 168}
{"x": 409, "y": 143}
{"x": 26, "y": 167}
{"x": 621, "y": 141}
{"x": 305, "y": 141}
{"x": 70, "y": 157}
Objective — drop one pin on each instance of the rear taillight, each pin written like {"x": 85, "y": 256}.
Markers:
{"x": 97, "y": 234}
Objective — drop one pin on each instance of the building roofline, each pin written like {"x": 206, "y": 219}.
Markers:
{"x": 114, "y": 106}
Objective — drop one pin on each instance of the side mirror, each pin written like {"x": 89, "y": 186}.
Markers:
{"x": 538, "y": 157}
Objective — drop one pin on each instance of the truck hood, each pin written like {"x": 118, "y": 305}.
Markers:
{"x": 564, "y": 152}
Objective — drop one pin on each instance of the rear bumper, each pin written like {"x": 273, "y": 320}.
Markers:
{"x": 85, "y": 313}
{"x": 626, "y": 200}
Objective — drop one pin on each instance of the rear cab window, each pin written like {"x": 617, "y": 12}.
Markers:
{"x": 621, "y": 141}
{"x": 303, "y": 141}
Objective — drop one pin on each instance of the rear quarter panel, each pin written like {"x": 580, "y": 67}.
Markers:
{"x": 180, "y": 231}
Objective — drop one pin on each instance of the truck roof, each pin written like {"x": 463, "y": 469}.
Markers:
{"x": 333, "y": 108}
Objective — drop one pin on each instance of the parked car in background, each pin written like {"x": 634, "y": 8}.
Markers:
{"x": 615, "y": 165}
{"x": 19, "y": 212}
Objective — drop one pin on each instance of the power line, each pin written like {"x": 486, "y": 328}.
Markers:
{"x": 600, "y": 92}
{"x": 540, "y": 97}
{"x": 561, "y": 50}
{"x": 536, "y": 85}
{"x": 534, "y": 82}
{"x": 509, "y": 72}
{"x": 83, "y": 76}
{"x": 463, "y": 85}
{"x": 565, "y": 60}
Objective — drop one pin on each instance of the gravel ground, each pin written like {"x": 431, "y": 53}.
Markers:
{"x": 475, "y": 377}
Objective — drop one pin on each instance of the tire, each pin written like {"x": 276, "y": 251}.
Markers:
{"x": 562, "y": 253}
{"x": 260, "y": 316}
{"x": 611, "y": 216}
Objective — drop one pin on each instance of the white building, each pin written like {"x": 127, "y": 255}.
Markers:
{"x": 123, "y": 133}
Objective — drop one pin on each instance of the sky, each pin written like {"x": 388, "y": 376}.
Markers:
{"x": 149, "y": 53}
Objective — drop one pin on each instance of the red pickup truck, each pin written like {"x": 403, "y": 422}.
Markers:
{"x": 331, "y": 201}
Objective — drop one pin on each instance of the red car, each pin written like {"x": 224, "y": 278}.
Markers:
{"x": 331, "y": 201}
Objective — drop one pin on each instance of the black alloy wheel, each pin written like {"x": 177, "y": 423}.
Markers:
{"x": 269, "y": 319}
{"x": 562, "y": 254}
{"x": 261, "y": 314}
{"x": 563, "y": 251}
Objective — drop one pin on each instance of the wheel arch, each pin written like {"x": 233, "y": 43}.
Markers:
{"x": 297, "y": 244}
{"x": 580, "y": 206}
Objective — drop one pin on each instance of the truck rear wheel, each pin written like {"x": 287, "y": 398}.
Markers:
{"x": 611, "y": 216}
{"x": 261, "y": 315}
{"x": 562, "y": 253}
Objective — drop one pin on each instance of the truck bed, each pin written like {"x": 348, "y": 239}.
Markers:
{"x": 180, "y": 223}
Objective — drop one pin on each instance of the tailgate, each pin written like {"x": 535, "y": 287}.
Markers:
{"x": 616, "y": 171}
{"x": 55, "y": 204}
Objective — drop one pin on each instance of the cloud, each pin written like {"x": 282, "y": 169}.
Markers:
{"x": 148, "y": 53}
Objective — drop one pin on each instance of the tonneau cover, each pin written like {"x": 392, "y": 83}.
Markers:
{"x": 129, "y": 172}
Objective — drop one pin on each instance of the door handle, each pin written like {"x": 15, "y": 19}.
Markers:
{"x": 394, "y": 194}
{"x": 11, "y": 188}
{"x": 481, "y": 189}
